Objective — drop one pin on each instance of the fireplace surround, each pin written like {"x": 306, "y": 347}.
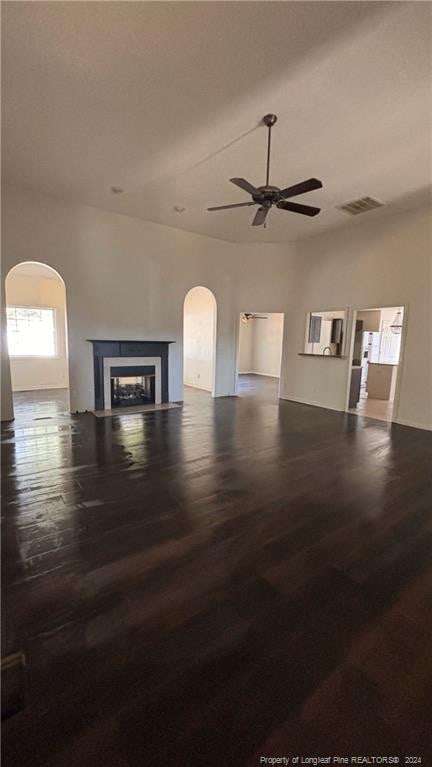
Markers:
{"x": 146, "y": 360}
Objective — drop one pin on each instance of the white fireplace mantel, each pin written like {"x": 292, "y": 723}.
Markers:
{"x": 110, "y": 362}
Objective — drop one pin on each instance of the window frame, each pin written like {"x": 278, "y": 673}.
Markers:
{"x": 56, "y": 354}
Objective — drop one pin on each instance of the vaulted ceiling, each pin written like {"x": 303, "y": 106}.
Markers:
{"x": 164, "y": 100}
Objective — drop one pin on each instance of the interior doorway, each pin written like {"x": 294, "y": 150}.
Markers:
{"x": 259, "y": 354}
{"x": 199, "y": 339}
{"x": 375, "y": 362}
{"x": 37, "y": 341}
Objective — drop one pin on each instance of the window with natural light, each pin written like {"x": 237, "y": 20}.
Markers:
{"x": 31, "y": 331}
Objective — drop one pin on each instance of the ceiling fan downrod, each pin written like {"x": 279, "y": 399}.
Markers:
{"x": 269, "y": 120}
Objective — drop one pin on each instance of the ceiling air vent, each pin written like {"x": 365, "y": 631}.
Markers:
{"x": 360, "y": 206}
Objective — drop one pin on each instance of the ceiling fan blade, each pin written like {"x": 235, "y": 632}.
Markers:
{"x": 301, "y": 188}
{"x": 295, "y": 207}
{"x": 235, "y": 205}
{"x": 245, "y": 185}
{"x": 260, "y": 216}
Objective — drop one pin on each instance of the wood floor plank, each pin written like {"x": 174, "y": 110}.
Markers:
{"x": 234, "y": 578}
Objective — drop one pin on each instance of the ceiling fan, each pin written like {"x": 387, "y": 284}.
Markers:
{"x": 266, "y": 196}
{"x": 246, "y": 316}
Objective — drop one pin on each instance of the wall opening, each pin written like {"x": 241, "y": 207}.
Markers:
{"x": 259, "y": 354}
{"x": 37, "y": 339}
{"x": 375, "y": 357}
{"x": 199, "y": 339}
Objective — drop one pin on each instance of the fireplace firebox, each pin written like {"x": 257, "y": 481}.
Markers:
{"x": 132, "y": 386}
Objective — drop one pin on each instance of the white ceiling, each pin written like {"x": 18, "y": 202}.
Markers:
{"x": 164, "y": 100}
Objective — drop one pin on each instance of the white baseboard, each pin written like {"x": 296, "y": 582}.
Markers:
{"x": 255, "y": 373}
{"x": 195, "y": 386}
{"x": 413, "y": 424}
{"x": 41, "y": 388}
{"x": 302, "y": 401}
{"x": 400, "y": 421}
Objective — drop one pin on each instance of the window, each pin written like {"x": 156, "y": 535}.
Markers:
{"x": 31, "y": 331}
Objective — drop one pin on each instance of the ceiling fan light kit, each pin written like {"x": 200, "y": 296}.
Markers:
{"x": 396, "y": 326}
{"x": 267, "y": 195}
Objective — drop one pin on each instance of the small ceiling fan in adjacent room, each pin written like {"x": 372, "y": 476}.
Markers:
{"x": 246, "y": 316}
{"x": 266, "y": 196}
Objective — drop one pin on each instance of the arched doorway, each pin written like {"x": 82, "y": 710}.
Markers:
{"x": 37, "y": 340}
{"x": 199, "y": 339}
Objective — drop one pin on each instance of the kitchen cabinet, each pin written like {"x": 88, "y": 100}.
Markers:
{"x": 354, "y": 394}
{"x": 381, "y": 380}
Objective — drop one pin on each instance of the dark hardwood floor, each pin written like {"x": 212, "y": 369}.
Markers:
{"x": 205, "y": 586}
{"x": 47, "y": 404}
{"x": 253, "y": 385}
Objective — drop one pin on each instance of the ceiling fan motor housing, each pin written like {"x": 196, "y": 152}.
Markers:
{"x": 268, "y": 195}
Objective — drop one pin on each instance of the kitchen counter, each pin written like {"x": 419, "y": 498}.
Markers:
{"x": 327, "y": 356}
{"x": 391, "y": 364}
{"x": 381, "y": 380}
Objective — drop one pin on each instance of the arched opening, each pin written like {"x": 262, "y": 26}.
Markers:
{"x": 199, "y": 339}
{"x": 37, "y": 340}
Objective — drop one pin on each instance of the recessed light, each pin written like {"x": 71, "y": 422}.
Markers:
{"x": 117, "y": 190}
{"x": 179, "y": 208}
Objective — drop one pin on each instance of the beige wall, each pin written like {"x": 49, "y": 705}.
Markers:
{"x": 376, "y": 263}
{"x": 35, "y": 372}
{"x": 371, "y": 319}
{"x": 267, "y": 345}
{"x": 260, "y": 345}
{"x": 245, "y": 346}
{"x": 199, "y": 328}
{"x": 6, "y": 390}
{"x": 127, "y": 278}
